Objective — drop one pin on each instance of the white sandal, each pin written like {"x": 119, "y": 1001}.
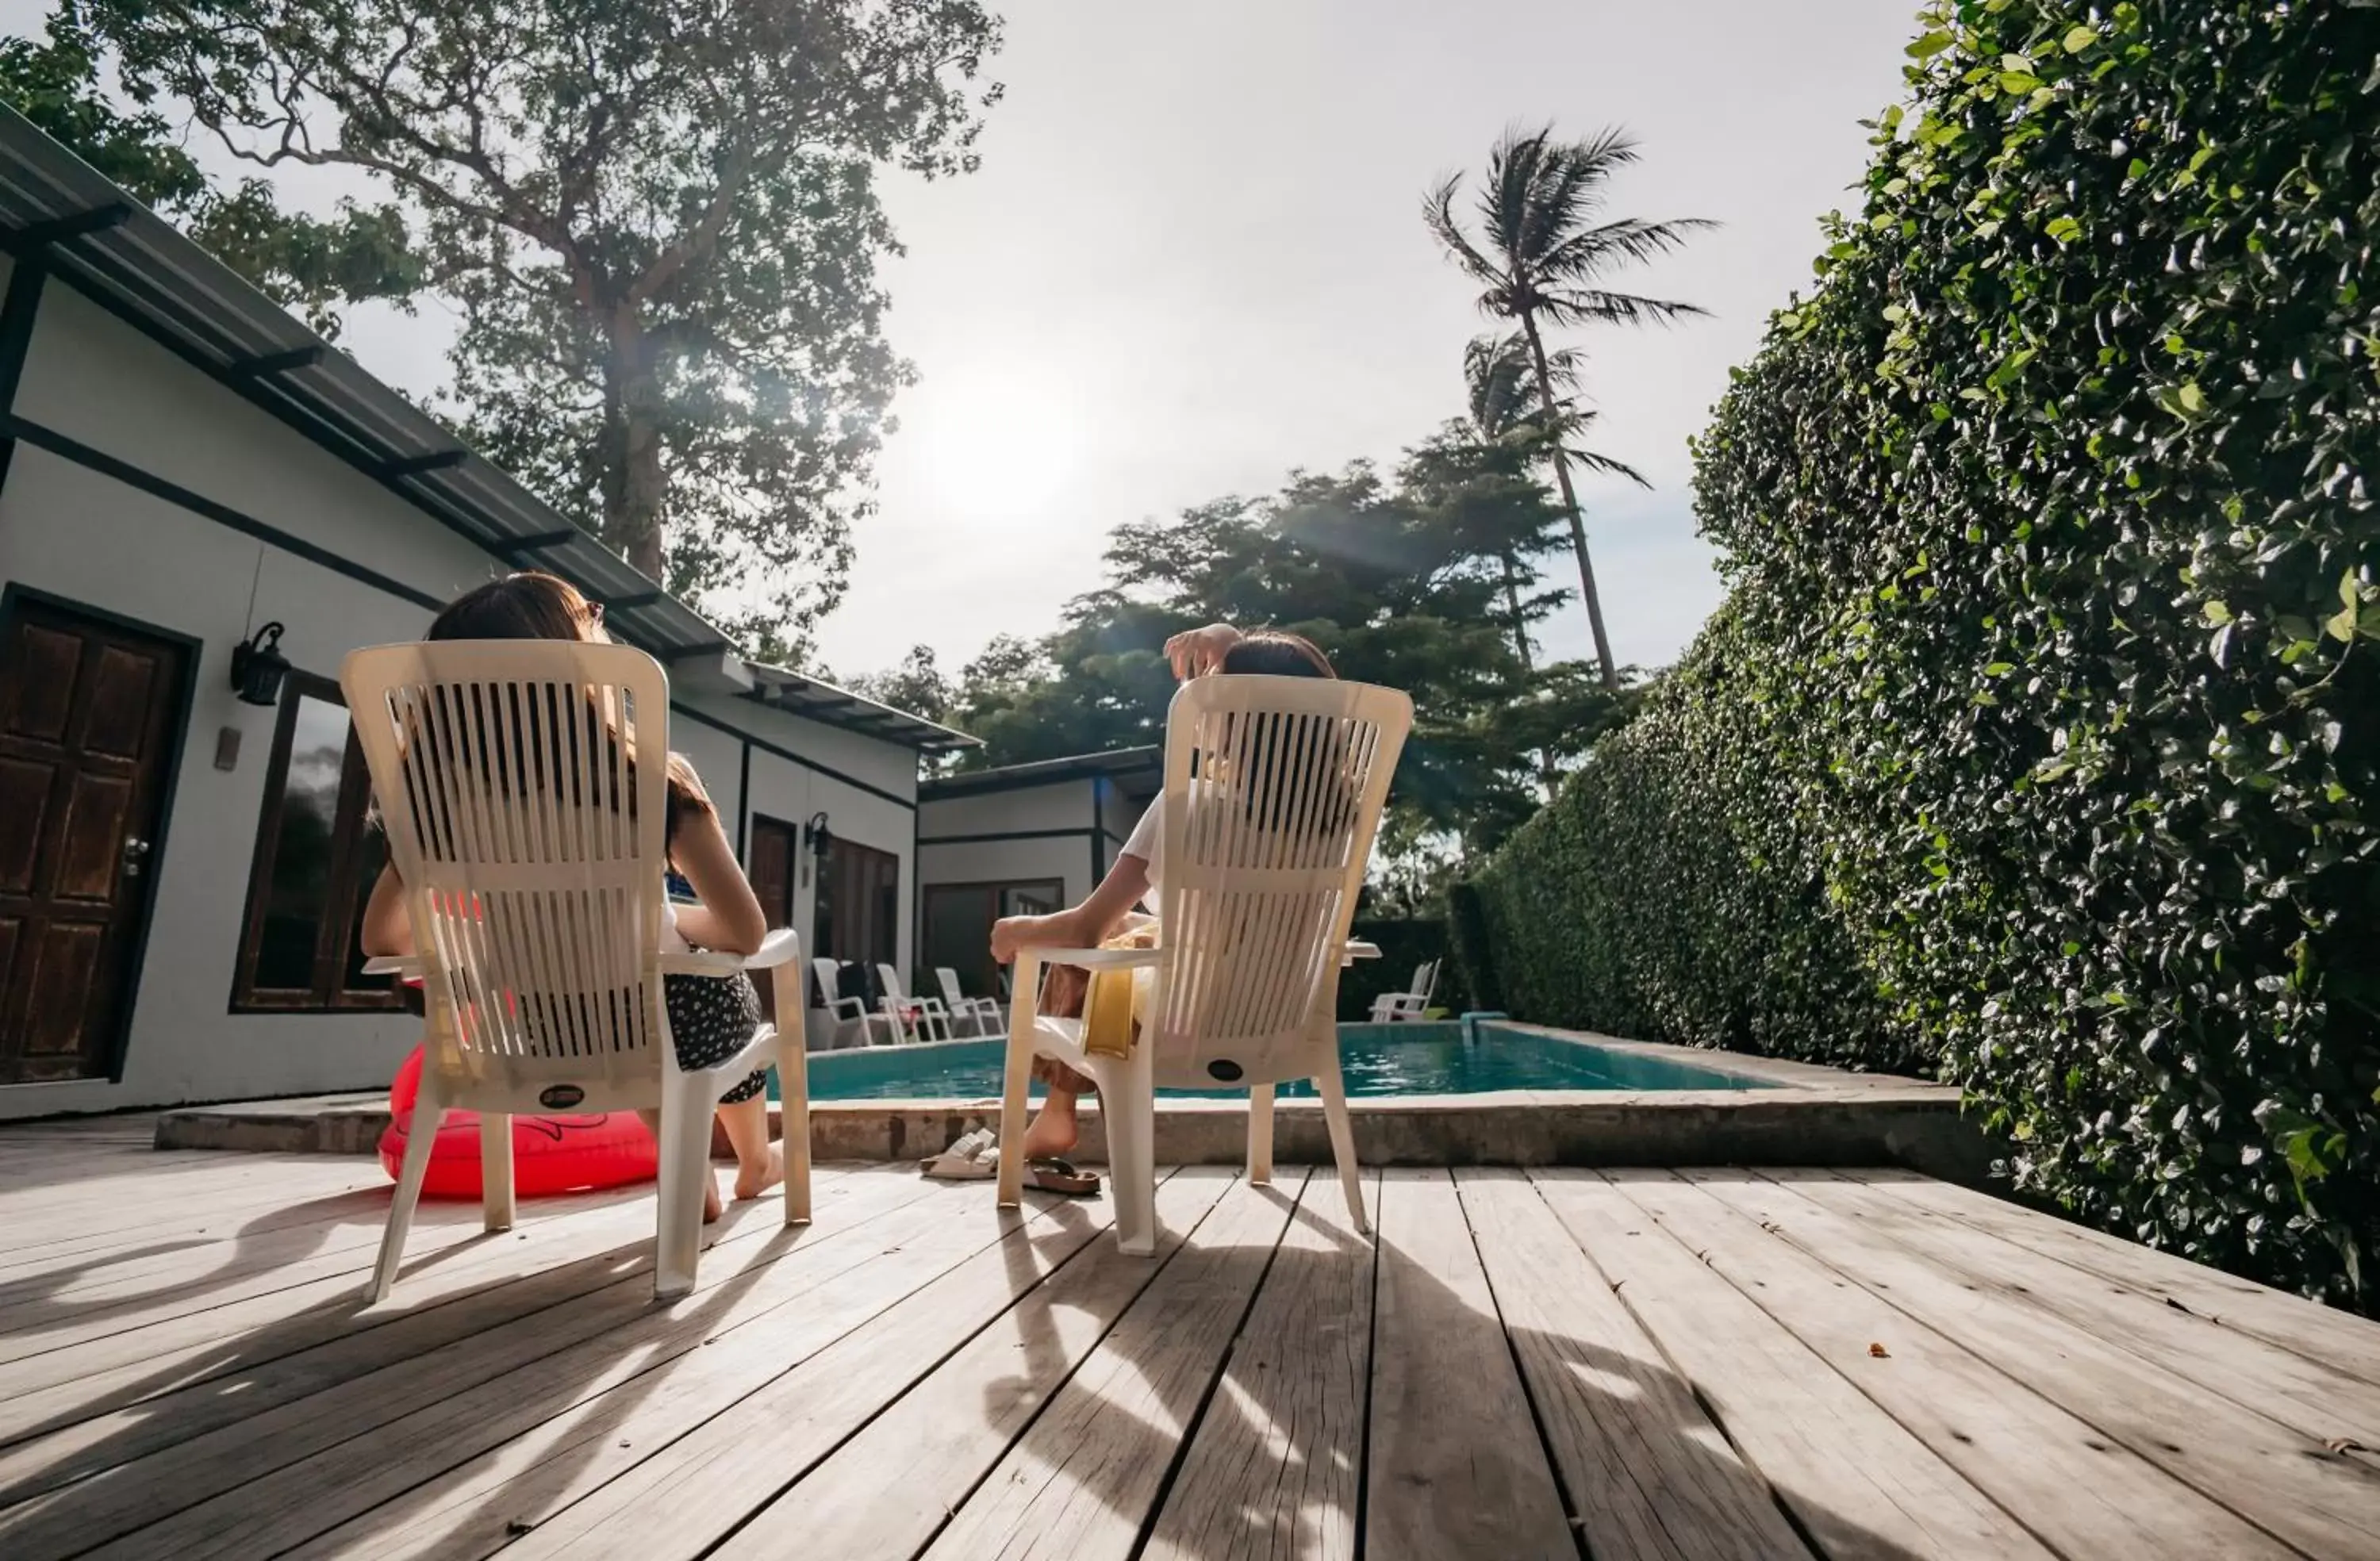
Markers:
{"x": 975, "y": 1157}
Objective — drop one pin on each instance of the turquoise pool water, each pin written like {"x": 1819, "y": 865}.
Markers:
{"x": 1379, "y": 1059}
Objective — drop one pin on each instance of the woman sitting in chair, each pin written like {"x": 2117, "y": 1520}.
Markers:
{"x": 710, "y": 1018}
{"x": 1132, "y": 881}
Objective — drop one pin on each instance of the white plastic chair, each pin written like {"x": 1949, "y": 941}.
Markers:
{"x": 913, "y": 1019}
{"x": 1262, "y": 861}
{"x": 521, "y": 784}
{"x": 981, "y": 1012}
{"x": 1392, "y": 1008}
{"x": 852, "y": 1010}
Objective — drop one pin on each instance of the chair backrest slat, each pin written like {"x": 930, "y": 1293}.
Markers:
{"x": 1273, "y": 793}
{"x": 522, "y": 785}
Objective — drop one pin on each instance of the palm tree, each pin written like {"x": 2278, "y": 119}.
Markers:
{"x": 1507, "y": 408}
{"x": 1541, "y": 259}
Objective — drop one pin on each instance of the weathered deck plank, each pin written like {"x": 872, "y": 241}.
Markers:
{"x": 1089, "y": 1467}
{"x": 2323, "y": 1406}
{"x": 2339, "y": 1343}
{"x": 2290, "y": 1484}
{"x": 1275, "y": 1467}
{"x": 1646, "y": 1471}
{"x": 1456, "y": 1465}
{"x": 1864, "y": 1486}
{"x": 889, "y": 1489}
{"x": 2082, "y": 1493}
{"x": 1654, "y": 1363}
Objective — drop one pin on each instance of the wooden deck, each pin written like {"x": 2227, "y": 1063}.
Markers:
{"x": 1700, "y": 1364}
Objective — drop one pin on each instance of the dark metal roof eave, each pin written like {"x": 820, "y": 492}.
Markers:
{"x": 142, "y": 270}
{"x": 1116, "y": 763}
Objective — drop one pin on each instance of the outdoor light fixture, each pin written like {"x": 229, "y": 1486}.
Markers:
{"x": 817, "y": 839}
{"x": 257, "y": 667}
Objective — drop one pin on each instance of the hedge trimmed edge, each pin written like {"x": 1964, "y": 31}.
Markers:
{"x": 2035, "y": 743}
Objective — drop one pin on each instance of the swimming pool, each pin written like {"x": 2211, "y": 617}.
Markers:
{"x": 1379, "y": 1059}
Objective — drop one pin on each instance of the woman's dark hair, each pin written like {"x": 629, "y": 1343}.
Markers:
{"x": 533, "y": 605}
{"x": 1278, "y": 653}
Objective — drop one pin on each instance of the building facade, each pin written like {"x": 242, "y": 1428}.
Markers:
{"x": 182, "y": 465}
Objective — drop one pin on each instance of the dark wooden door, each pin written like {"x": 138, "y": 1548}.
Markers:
{"x": 770, "y": 865}
{"x": 87, "y": 718}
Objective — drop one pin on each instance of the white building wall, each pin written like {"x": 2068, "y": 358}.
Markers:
{"x": 79, "y": 535}
{"x": 1024, "y": 834}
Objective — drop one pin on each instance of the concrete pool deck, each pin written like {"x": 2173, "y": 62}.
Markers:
{"x": 1796, "y": 1114}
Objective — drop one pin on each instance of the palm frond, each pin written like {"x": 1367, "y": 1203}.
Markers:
{"x": 1593, "y": 306}
{"x": 1571, "y": 184}
{"x": 1507, "y": 197}
{"x": 1605, "y": 464}
{"x": 1438, "y": 214}
{"x": 1587, "y": 254}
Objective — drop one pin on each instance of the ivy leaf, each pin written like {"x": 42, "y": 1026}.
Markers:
{"x": 2064, "y": 229}
{"x": 2078, "y": 38}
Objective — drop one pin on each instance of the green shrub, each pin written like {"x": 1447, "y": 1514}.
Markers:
{"x": 2036, "y": 741}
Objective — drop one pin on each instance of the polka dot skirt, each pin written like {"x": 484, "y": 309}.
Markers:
{"x": 710, "y": 1019}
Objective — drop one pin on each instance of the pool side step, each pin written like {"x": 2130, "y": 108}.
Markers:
{"x": 1919, "y": 1127}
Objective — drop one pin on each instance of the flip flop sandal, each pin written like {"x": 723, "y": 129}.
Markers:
{"x": 1061, "y": 1178}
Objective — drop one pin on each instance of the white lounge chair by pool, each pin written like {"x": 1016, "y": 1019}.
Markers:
{"x": 983, "y": 1014}
{"x": 1262, "y": 858}
{"x": 1392, "y": 1008}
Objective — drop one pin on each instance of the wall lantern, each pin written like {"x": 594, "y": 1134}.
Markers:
{"x": 817, "y": 841}
{"x": 257, "y": 667}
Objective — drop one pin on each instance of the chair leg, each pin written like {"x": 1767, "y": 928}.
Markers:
{"x": 1016, "y": 1080}
{"x": 1342, "y": 1136}
{"x": 427, "y": 1113}
{"x": 685, "y": 1160}
{"x": 1128, "y": 1107}
{"x": 793, "y": 1098}
{"x": 497, "y": 1205}
{"x": 1261, "y": 1136}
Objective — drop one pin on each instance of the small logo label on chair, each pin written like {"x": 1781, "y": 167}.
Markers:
{"x": 560, "y": 1097}
{"x": 1224, "y": 1069}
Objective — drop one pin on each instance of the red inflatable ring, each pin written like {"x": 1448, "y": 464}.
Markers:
{"x": 549, "y": 1154}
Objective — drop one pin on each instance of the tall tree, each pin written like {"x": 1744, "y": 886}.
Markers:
{"x": 660, "y": 220}
{"x": 308, "y": 264}
{"x": 1507, "y": 412}
{"x": 1541, "y": 259}
{"x": 1398, "y": 580}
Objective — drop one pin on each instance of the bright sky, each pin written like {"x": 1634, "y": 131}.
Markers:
{"x": 1192, "y": 260}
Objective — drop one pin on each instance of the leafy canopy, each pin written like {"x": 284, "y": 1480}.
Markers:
{"x": 659, "y": 219}
{"x": 309, "y": 265}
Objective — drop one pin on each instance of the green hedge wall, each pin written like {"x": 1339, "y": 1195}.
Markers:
{"x": 2036, "y": 741}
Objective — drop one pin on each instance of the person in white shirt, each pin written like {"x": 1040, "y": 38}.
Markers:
{"x": 1134, "y": 880}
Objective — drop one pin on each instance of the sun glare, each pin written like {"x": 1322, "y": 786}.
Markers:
{"x": 997, "y": 447}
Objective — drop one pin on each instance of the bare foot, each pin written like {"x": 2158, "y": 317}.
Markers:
{"x": 1051, "y": 1137}
{"x": 751, "y": 1184}
{"x": 711, "y": 1208}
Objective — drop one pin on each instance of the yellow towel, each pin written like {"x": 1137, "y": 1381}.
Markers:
{"x": 1113, "y": 999}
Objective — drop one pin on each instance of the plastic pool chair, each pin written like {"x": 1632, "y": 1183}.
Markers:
{"x": 981, "y": 1012}
{"x": 1392, "y": 1008}
{"x": 530, "y": 840}
{"x": 852, "y": 1010}
{"x": 1262, "y": 859}
{"x": 913, "y": 1018}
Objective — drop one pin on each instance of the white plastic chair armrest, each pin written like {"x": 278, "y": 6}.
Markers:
{"x": 775, "y": 949}
{"x": 1357, "y": 949}
{"x": 1096, "y": 959}
{"x": 393, "y": 964}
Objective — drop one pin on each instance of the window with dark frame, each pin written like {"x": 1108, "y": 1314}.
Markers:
{"x": 957, "y": 930}
{"x": 316, "y": 860}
